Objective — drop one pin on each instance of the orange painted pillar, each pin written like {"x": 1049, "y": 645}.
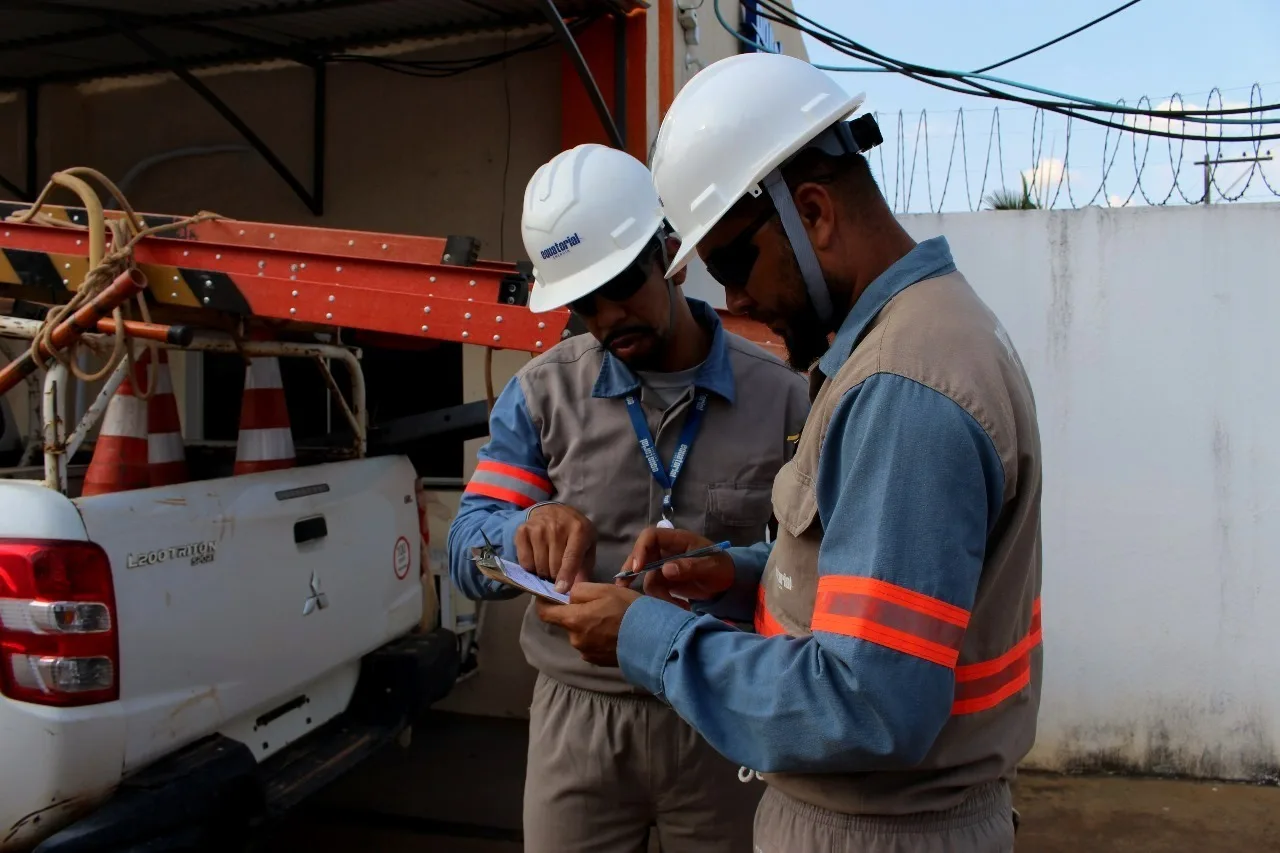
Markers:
{"x": 666, "y": 55}
{"x": 579, "y": 123}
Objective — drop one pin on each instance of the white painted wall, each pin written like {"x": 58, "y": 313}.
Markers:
{"x": 1150, "y": 337}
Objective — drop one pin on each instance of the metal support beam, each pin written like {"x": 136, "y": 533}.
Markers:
{"x": 467, "y": 421}
{"x": 584, "y": 73}
{"x": 313, "y": 200}
{"x": 33, "y": 130}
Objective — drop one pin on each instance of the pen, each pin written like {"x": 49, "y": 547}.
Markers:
{"x": 657, "y": 564}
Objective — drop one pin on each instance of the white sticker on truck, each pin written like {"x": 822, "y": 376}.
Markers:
{"x": 401, "y": 558}
{"x": 198, "y": 552}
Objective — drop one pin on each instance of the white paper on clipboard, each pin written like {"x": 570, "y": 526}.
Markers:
{"x": 530, "y": 582}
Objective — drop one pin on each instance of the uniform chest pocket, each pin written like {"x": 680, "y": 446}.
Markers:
{"x": 795, "y": 501}
{"x": 737, "y": 512}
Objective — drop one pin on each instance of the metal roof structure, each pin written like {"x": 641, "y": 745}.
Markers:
{"x": 58, "y": 42}
{"x": 54, "y": 41}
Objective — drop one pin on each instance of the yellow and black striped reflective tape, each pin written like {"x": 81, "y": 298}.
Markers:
{"x": 58, "y": 273}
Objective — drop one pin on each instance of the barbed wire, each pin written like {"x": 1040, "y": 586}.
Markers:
{"x": 1058, "y": 179}
{"x": 1045, "y": 178}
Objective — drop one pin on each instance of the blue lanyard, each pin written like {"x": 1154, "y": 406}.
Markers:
{"x": 692, "y": 422}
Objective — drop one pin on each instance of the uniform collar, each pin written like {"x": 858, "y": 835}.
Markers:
{"x": 715, "y": 374}
{"x": 928, "y": 259}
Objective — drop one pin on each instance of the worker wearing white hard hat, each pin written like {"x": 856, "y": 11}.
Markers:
{"x": 892, "y": 683}
{"x": 606, "y": 434}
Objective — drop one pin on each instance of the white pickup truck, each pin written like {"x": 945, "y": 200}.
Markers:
{"x": 178, "y": 662}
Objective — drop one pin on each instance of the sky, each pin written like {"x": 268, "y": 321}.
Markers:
{"x": 1155, "y": 48}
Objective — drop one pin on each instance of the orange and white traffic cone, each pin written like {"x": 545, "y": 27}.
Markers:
{"x": 266, "y": 441}
{"x": 119, "y": 461}
{"x": 166, "y": 454}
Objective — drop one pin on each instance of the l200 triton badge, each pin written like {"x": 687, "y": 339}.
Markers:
{"x": 199, "y": 553}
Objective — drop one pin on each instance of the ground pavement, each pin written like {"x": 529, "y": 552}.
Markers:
{"x": 456, "y": 789}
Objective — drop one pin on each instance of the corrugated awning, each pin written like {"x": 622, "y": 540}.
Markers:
{"x": 52, "y": 41}
{"x": 56, "y": 41}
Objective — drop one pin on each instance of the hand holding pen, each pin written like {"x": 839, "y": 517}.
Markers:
{"x": 678, "y": 564}
{"x": 659, "y": 563}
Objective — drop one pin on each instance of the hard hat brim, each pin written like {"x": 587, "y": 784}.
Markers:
{"x": 682, "y": 257}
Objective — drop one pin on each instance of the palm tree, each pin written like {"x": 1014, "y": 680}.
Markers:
{"x": 1004, "y": 199}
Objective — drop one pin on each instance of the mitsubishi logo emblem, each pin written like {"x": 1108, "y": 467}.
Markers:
{"x": 317, "y": 600}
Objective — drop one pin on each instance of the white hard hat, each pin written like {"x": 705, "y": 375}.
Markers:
{"x": 732, "y": 125}
{"x": 588, "y": 213}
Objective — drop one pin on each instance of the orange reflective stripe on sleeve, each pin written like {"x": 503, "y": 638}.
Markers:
{"x": 509, "y": 483}
{"x": 891, "y": 616}
{"x": 986, "y": 684}
{"x": 766, "y": 625}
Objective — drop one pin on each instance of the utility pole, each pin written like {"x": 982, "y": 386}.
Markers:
{"x": 1209, "y": 164}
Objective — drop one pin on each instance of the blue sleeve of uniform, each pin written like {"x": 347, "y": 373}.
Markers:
{"x": 909, "y": 486}
{"x": 738, "y": 603}
{"x": 510, "y": 478}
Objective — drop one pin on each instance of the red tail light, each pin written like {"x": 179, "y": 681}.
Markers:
{"x": 58, "y": 639}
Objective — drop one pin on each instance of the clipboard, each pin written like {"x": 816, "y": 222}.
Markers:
{"x": 495, "y": 568}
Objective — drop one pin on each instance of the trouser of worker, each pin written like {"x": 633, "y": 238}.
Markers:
{"x": 605, "y": 768}
{"x": 983, "y": 823}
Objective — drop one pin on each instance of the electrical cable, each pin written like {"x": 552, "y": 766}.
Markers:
{"x": 1071, "y": 106}
{"x": 1060, "y": 38}
{"x": 444, "y": 68}
{"x": 884, "y": 63}
{"x": 843, "y": 44}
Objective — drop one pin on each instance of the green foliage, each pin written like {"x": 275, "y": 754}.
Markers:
{"x": 1004, "y": 199}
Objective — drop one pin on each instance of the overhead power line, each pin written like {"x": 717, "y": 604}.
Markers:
{"x": 985, "y": 86}
{"x": 1063, "y": 37}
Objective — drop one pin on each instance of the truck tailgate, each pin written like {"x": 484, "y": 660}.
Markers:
{"x": 236, "y": 595}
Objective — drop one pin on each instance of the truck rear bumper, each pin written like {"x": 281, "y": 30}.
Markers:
{"x": 213, "y": 792}
{"x": 56, "y": 764}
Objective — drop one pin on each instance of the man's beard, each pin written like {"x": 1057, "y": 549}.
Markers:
{"x": 806, "y": 334}
{"x": 647, "y": 361}
{"x": 806, "y": 339}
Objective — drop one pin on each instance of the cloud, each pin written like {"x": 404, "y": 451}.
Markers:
{"x": 1043, "y": 179}
{"x": 1114, "y": 200}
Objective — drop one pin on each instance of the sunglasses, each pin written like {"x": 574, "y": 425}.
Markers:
{"x": 620, "y": 288}
{"x": 731, "y": 264}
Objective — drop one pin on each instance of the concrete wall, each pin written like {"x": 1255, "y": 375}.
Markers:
{"x": 1149, "y": 337}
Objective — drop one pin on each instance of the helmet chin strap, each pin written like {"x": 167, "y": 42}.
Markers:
{"x": 671, "y": 285}
{"x": 843, "y": 137}
{"x": 814, "y": 282}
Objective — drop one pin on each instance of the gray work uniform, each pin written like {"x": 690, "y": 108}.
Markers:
{"x": 938, "y": 334}
{"x": 606, "y": 759}
{"x": 893, "y": 683}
